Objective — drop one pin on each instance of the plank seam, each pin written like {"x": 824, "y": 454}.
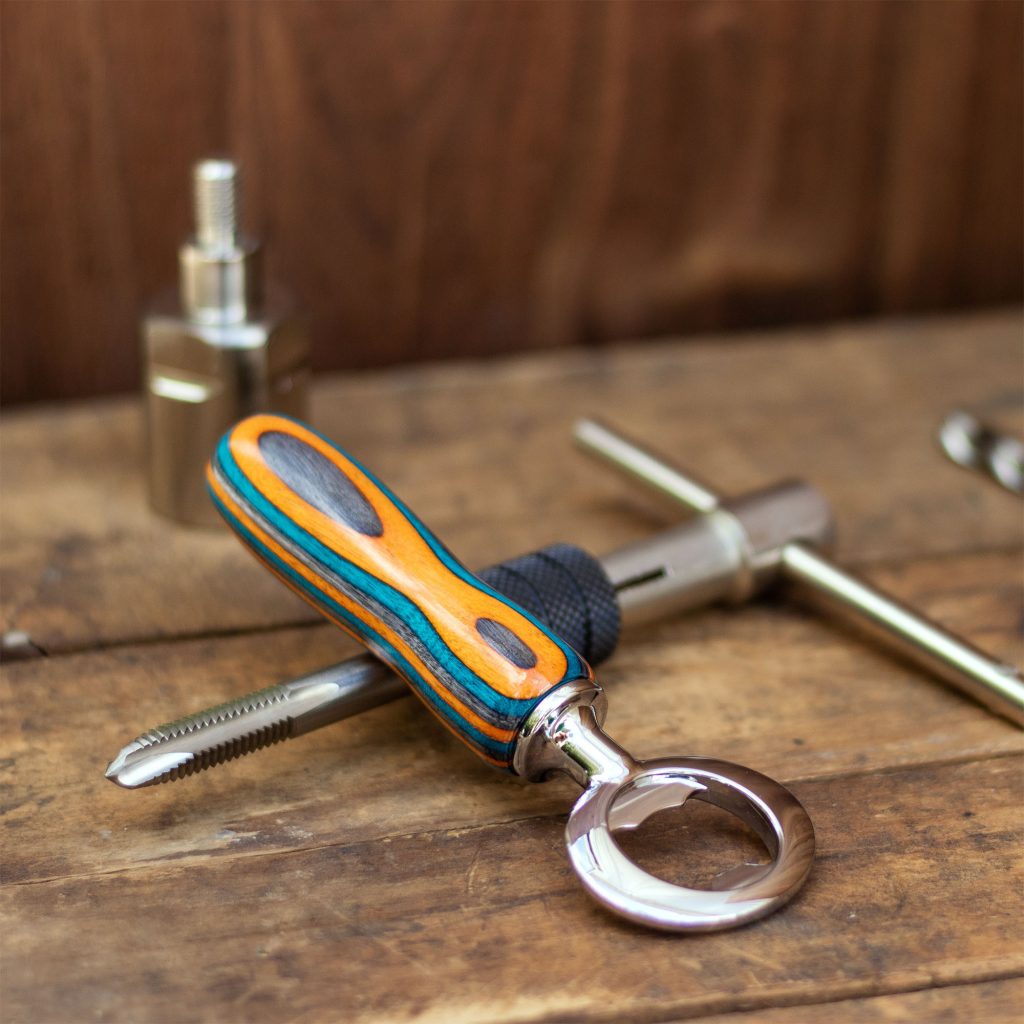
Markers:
{"x": 852, "y": 991}
{"x": 53, "y": 651}
{"x": 187, "y": 860}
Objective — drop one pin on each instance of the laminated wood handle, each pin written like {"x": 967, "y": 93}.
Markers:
{"x": 339, "y": 538}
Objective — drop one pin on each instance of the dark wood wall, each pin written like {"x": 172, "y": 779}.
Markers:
{"x": 449, "y": 179}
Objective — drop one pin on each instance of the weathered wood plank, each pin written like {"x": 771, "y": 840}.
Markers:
{"x": 990, "y": 1002}
{"x": 771, "y": 687}
{"x": 481, "y": 451}
{"x": 331, "y": 878}
{"x": 916, "y": 885}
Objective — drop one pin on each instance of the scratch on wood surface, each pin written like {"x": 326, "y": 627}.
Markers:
{"x": 377, "y": 940}
{"x": 471, "y": 873}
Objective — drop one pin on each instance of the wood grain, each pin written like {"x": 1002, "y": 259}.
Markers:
{"x": 914, "y": 885}
{"x": 476, "y": 447}
{"x": 991, "y": 1002}
{"x": 785, "y": 692}
{"x": 340, "y": 877}
{"x": 453, "y": 179}
{"x": 98, "y": 138}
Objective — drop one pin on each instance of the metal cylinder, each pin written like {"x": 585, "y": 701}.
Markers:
{"x": 727, "y": 554}
{"x": 998, "y": 687}
{"x": 220, "y": 271}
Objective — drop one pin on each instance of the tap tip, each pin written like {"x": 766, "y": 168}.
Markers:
{"x": 136, "y": 765}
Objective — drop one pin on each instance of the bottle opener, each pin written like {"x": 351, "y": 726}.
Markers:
{"x": 503, "y": 683}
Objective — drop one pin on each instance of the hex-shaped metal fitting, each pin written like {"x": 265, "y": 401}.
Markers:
{"x": 200, "y": 380}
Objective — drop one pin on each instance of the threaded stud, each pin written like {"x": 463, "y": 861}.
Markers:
{"x": 216, "y": 198}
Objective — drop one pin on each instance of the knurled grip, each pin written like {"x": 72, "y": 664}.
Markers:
{"x": 344, "y": 542}
{"x": 569, "y": 591}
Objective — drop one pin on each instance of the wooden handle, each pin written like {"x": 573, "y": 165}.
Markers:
{"x": 340, "y": 539}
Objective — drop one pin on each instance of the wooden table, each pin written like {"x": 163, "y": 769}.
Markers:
{"x": 337, "y": 879}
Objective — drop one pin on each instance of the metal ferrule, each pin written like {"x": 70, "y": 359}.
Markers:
{"x": 538, "y": 752}
{"x": 727, "y": 554}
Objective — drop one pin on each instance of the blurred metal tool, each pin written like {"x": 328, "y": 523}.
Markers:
{"x": 729, "y": 551}
{"x": 976, "y": 445}
{"x": 223, "y": 348}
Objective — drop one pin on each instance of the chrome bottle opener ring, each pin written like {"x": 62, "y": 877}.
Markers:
{"x": 621, "y": 793}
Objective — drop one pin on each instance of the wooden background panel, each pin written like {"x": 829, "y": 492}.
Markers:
{"x": 456, "y": 178}
{"x": 103, "y": 106}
